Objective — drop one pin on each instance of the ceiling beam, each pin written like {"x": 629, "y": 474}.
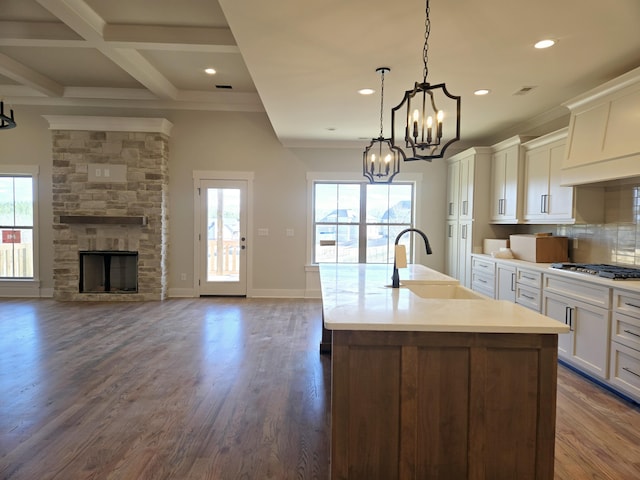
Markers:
{"x": 87, "y": 23}
{"x": 26, "y": 76}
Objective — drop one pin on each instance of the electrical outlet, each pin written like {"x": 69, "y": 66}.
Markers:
{"x": 183, "y": 276}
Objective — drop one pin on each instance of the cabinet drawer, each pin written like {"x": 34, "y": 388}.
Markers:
{"x": 626, "y": 302}
{"x": 625, "y": 369}
{"x": 488, "y": 267}
{"x": 625, "y": 330}
{"x": 528, "y": 297}
{"x": 529, "y": 277}
{"x": 590, "y": 293}
{"x": 484, "y": 284}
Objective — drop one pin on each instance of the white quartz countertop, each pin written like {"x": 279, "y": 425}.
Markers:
{"x": 357, "y": 297}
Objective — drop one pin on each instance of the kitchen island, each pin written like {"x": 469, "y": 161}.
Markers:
{"x": 431, "y": 380}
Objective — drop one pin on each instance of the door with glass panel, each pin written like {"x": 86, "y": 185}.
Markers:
{"x": 223, "y": 237}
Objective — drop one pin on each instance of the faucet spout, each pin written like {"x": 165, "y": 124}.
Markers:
{"x": 395, "y": 278}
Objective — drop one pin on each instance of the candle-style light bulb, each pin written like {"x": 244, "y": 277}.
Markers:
{"x": 387, "y": 160}
{"x": 416, "y": 117}
{"x": 373, "y": 163}
{"x": 440, "y": 116}
{"x": 429, "y": 125}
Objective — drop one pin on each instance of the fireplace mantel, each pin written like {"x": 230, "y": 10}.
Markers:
{"x": 103, "y": 220}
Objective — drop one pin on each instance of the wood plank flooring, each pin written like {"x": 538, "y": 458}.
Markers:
{"x": 214, "y": 389}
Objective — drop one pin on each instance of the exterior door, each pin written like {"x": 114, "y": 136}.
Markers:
{"x": 222, "y": 238}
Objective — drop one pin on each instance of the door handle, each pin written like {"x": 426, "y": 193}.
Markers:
{"x": 513, "y": 282}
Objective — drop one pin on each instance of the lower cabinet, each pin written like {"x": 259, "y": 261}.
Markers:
{"x": 586, "y": 345}
{"x": 505, "y": 282}
{"x": 483, "y": 276}
{"x": 625, "y": 343}
{"x": 441, "y": 405}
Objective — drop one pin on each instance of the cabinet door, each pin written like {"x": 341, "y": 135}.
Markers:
{"x": 556, "y": 307}
{"x": 465, "y": 199}
{"x": 560, "y": 204}
{"x": 498, "y": 180}
{"x": 452, "y": 249}
{"x": 453, "y": 189}
{"x": 536, "y": 184}
{"x": 506, "y": 282}
{"x": 464, "y": 253}
{"x": 511, "y": 184}
{"x": 587, "y": 344}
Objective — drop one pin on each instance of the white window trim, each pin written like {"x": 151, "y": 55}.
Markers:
{"x": 26, "y": 287}
{"x": 312, "y": 177}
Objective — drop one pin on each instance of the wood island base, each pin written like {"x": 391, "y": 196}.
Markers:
{"x": 437, "y": 405}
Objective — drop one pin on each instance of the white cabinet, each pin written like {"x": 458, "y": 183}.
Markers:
{"x": 603, "y": 141}
{"x": 545, "y": 199}
{"x": 467, "y": 210}
{"x": 585, "y": 308}
{"x": 505, "y": 282}
{"x": 625, "y": 343}
{"x": 507, "y": 181}
{"x": 483, "y": 276}
{"x": 528, "y": 285}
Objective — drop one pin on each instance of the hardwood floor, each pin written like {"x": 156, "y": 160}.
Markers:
{"x": 213, "y": 388}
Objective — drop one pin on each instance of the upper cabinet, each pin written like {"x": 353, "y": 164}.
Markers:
{"x": 545, "y": 199}
{"x": 603, "y": 142}
{"x": 506, "y": 181}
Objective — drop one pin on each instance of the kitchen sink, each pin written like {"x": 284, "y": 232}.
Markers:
{"x": 449, "y": 292}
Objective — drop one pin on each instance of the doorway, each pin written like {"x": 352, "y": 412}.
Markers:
{"x": 222, "y": 240}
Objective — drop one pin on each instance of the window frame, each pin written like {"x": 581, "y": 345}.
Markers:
{"x": 341, "y": 177}
{"x": 33, "y": 172}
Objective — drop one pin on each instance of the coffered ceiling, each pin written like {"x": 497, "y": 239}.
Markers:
{"x": 303, "y": 61}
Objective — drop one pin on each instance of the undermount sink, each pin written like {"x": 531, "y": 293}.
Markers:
{"x": 449, "y": 292}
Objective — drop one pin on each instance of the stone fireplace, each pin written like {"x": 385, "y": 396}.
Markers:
{"x": 110, "y": 194}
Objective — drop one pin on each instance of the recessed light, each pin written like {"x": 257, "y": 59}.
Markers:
{"x": 545, "y": 43}
{"x": 210, "y": 71}
{"x": 366, "y": 91}
{"x": 482, "y": 91}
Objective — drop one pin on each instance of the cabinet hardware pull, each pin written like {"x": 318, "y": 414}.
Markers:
{"x": 541, "y": 203}
{"x": 465, "y": 207}
{"x": 571, "y": 329}
{"x": 513, "y": 282}
{"x": 566, "y": 315}
{"x": 450, "y": 208}
{"x": 632, "y": 333}
{"x": 631, "y": 305}
{"x": 528, "y": 297}
{"x": 450, "y": 231}
{"x": 631, "y": 371}
{"x": 528, "y": 278}
{"x": 482, "y": 281}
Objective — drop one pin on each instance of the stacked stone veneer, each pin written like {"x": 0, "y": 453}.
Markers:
{"x": 144, "y": 193}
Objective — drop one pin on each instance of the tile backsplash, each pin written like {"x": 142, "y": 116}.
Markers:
{"x": 617, "y": 240}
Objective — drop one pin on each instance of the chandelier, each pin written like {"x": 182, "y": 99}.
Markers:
{"x": 6, "y": 121}
{"x": 431, "y": 115}
{"x": 381, "y": 159}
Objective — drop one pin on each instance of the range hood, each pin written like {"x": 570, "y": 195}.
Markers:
{"x": 603, "y": 144}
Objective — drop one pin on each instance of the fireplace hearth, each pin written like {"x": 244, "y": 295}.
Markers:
{"x": 108, "y": 272}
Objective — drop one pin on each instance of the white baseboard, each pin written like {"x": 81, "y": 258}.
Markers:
{"x": 181, "y": 293}
{"x": 276, "y": 293}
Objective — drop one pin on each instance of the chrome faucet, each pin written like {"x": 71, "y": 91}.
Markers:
{"x": 395, "y": 278}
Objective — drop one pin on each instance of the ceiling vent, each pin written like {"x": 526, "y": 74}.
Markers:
{"x": 224, "y": 87}
{"x": 524, "y": 90}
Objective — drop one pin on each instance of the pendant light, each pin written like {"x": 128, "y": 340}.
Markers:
{"x": 6, "y": 121}
{"x": 428, "y": 116}
{"x": 381, "y": 160}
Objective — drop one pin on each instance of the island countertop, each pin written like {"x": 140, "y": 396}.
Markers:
{"x": 357, "y": 297}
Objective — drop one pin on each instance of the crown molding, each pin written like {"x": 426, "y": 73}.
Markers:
{"x": 109, "y": 124}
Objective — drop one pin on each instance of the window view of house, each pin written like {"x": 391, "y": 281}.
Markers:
{"x": 358, "y": 222}
{"x": 16, "y": 227}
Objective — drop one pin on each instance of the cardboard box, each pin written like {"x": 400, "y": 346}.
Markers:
{"x": 540, "y": 248}
{"x": 490, "y": 245}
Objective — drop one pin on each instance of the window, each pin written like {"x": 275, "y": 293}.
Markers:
{"x": 357, "y": 222}
{"x": 17, "y": 219}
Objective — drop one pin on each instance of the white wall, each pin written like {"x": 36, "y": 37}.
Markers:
{"x": 228, "y": 141}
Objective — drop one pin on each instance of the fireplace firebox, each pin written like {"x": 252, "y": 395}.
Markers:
{"x": 108, "y": 271}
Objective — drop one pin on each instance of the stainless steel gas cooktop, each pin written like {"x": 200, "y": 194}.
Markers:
{"x": 614, "y": 272}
